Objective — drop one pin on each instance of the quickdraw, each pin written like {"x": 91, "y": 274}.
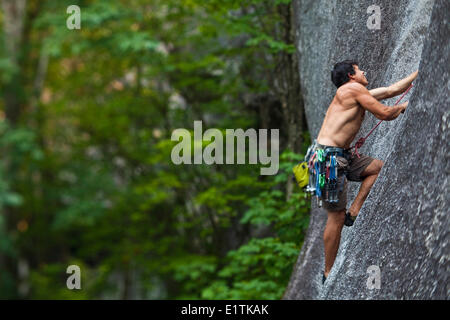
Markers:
{"x": 332, "y": 184}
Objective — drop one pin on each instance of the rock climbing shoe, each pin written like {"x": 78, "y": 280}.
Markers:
{"x": 349, "y": 219}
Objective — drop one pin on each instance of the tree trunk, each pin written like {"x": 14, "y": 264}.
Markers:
{"x": 287, "y": 85}
{"x": 13, "y": 20}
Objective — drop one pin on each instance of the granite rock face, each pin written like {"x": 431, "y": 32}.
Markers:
{"x": 403, "y": 227}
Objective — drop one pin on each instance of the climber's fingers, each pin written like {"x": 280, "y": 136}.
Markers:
{"x": 405, "y": 104}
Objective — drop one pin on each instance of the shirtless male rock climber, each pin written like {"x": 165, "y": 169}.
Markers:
{"x": 340, "y": 126}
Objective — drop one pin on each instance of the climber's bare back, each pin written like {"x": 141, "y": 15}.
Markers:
{"x": 343, "y": 118}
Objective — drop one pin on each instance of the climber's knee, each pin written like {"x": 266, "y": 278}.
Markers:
{"x": 336, "y": 218}
{"x": 373, "y": 168}
{"x": 380, "y": 164}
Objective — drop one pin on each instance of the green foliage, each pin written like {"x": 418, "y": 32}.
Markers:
{"x": 86, "y": 176}
{"x": 259, "y": 269}
{"x": 194, "y": 273}
{"x": 45, "y": 287}
{"x": 270, "y": 207}
{"x": 21, "y": 156}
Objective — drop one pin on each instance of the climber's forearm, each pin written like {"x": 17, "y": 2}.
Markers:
{"x": 393, "y": 112}
{"x": 394, "y": 89}
{"x": 401, "y": 86}
{"x": 379, "y": 93}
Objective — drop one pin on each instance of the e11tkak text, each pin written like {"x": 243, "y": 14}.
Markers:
{"x": 213, "y": 152}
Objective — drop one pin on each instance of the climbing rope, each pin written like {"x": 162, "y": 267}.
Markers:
{"x": 361, "y": 140}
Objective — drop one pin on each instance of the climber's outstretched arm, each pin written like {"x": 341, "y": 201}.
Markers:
{"x": 394, "y": 89}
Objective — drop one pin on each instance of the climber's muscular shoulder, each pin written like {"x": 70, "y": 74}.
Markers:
{"x": 344, "y": 117}
{"x": 348, "y": 93}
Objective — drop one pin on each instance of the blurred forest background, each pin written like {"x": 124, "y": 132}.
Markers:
{"x": 85, "y": 172}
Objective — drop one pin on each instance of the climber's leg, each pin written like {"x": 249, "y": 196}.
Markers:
{"x": 369, "y": 175}
{"x": 332, "y": 237}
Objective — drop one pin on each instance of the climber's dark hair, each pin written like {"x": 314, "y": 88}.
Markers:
{"x": 340, "y": 72}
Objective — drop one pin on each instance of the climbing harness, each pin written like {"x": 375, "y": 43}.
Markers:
{"x": 361, "y": 140}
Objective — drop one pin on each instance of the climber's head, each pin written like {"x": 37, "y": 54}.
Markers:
{"x": 346, "y": 71}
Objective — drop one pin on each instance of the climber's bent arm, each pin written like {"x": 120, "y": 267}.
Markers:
{"x": 394, "y": 89}
{"x": 368, "y": 102}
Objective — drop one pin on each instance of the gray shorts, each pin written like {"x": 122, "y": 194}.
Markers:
{"x": 354, "y": 166}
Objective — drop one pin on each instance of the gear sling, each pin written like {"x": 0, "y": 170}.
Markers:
{"x": 321, "y": 165}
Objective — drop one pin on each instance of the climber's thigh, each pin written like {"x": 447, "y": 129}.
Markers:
{"x": 361, "y": 167}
